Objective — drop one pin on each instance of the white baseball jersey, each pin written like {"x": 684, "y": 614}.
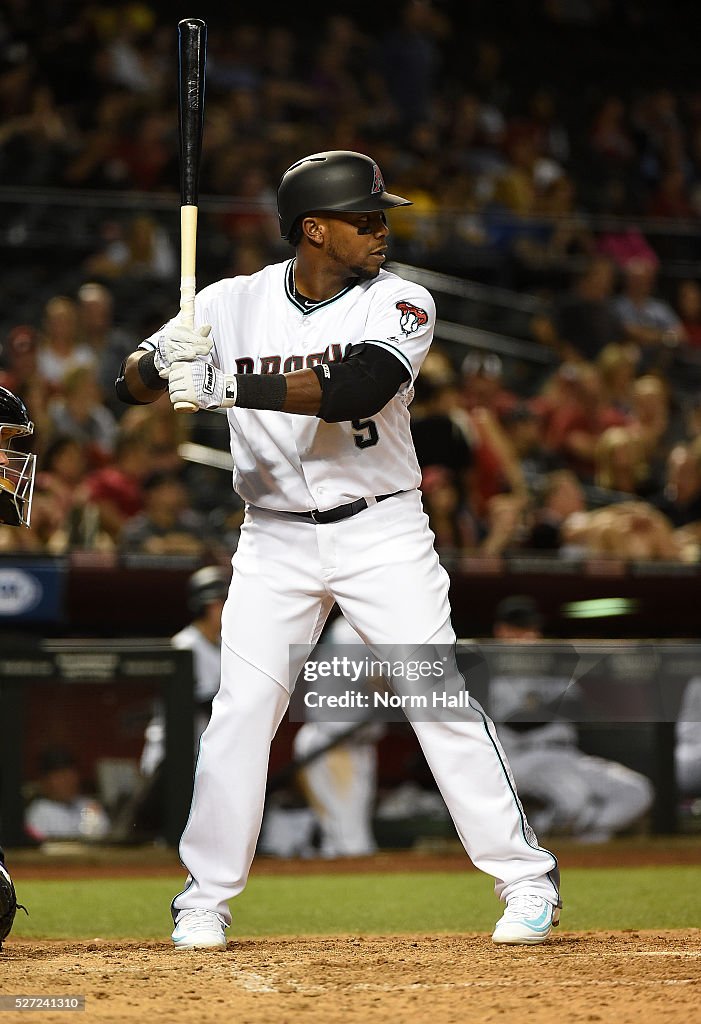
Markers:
{"x": 296, "y": 463}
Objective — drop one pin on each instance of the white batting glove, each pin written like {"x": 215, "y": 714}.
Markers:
{"x": 199, "y": 385}
{"x": 178, "y": 344}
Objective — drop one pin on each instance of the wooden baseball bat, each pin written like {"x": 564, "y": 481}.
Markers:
{"x": 192, "y": 60}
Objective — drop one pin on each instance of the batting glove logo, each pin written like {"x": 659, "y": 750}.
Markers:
{"x": 412, "y": 317}
{"x": 209, "y": 379}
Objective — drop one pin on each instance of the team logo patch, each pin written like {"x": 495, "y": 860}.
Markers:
{"x": 378, "y": 184}
{"x": 412, "y": 317}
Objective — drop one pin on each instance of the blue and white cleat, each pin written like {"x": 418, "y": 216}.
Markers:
{"x": 527, "y": 920}
{"x": 199, "y": 929}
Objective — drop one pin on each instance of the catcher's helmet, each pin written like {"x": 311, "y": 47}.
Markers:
{"x": 336, "y": 181}
{"x": 16, "y": 468}
{"x": 204, "y": 586}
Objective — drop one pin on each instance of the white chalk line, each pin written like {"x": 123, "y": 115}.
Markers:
{"x": 252, "y": 982}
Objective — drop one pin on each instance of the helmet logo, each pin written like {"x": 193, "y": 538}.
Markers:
{"x": 378, "y": 184}
{"x": 412, "y": 317}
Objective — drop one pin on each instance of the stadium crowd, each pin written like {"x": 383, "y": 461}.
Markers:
{"x": 519, "y": 180}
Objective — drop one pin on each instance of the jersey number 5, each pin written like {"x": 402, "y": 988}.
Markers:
{"x": 365, "y": 433}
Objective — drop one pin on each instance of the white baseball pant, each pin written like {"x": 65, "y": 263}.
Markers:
{"x": 382, "y": 569}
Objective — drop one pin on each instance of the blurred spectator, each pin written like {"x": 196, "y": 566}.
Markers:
{"x": 630, "y": 530}
{"x": 161, "y": 432}
{"x": 116, "y": 489}
{"x": 142, "y": 251}
{"x": 411, "y": 60}
{"x": 167, "y": 525}
{"x": 620, "y": 463}
{"x": 496, "y": 468}
{"x": 254, "y": 221}
{"x": 145, "y": 155}
{"x": 584, "y": 319}
{"x": 616, "y": 364}
{"x": 524, "y": 432}
{"x": 610, "y": 135}
{"x": 110, "y": 343}
{"x": 561, "y": 523}
{"x": 471, "y": 444}
{"x": 449, "y": 518}
{"x": 60, "y": 348}
{"x": 61, "y": 810}
{"x": 37, "y": 139}
{"x": 440, "y": 428}
{"x": 577, "y": 413}
{"x": 671, "y": 198}
{"x": 515, "y": 187}
{"x": 78, "y": 412}
{"x": 129, "y": 49}
{"x": 559, "y": 497}
{"x": 482, "y": 380}
{"x": 622, "y": 240}
{"x": 688, "y": 308}
{"x": 655, "y": 422}
{"x": 19, "y": 359}
{"x": 558, "y": 236}
{"x": 647, "y": 320}
{"x": 680, "y": 501}
{"x": 20, "y": 374}
{"x": 504, "y": 524}
{"x": 61, "y": 482}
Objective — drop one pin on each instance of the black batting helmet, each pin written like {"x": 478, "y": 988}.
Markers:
{"x": 208, "y": 584}
{"x": 16, "y": 468}
{"x": 336, "y": 181}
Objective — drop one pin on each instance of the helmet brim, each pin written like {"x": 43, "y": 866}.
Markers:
{"x": 368, "y": 204}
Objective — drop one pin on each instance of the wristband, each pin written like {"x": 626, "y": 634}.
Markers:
{"x": 148, "y": 373}
{"x": 260, "y": 391}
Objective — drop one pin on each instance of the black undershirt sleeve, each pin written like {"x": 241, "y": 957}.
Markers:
{"x": 359, "y": 386}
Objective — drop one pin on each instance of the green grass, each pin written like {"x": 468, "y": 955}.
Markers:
{"x": 595, "y": 898}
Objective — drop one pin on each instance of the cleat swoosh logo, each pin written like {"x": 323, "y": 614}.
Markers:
{"x": 541, "y": 923}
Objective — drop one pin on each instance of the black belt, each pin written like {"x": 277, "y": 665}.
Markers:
{"x": 335, "y": 515}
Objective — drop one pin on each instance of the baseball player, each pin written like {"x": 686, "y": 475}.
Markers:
{"x": 340, "y": 784}
{"x": 313, "y": 360}
{"x": 16, "y": 468}
{"x": 206, "y": 591}
{"x": 591, "y": 798}
{"x": 8, "y": 901}
{"x": 16, "y": 486}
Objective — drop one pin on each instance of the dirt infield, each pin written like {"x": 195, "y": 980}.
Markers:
{"x": 625, "y": 977}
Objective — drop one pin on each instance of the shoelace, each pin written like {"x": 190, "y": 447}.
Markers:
{"x": 525, "y": 906}
{"x": 200, "y": 920}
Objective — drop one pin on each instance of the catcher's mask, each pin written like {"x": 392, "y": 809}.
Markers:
{"x": 17, "y": 468}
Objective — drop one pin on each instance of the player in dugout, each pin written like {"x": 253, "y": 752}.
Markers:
{"x": 314, "y": 360}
